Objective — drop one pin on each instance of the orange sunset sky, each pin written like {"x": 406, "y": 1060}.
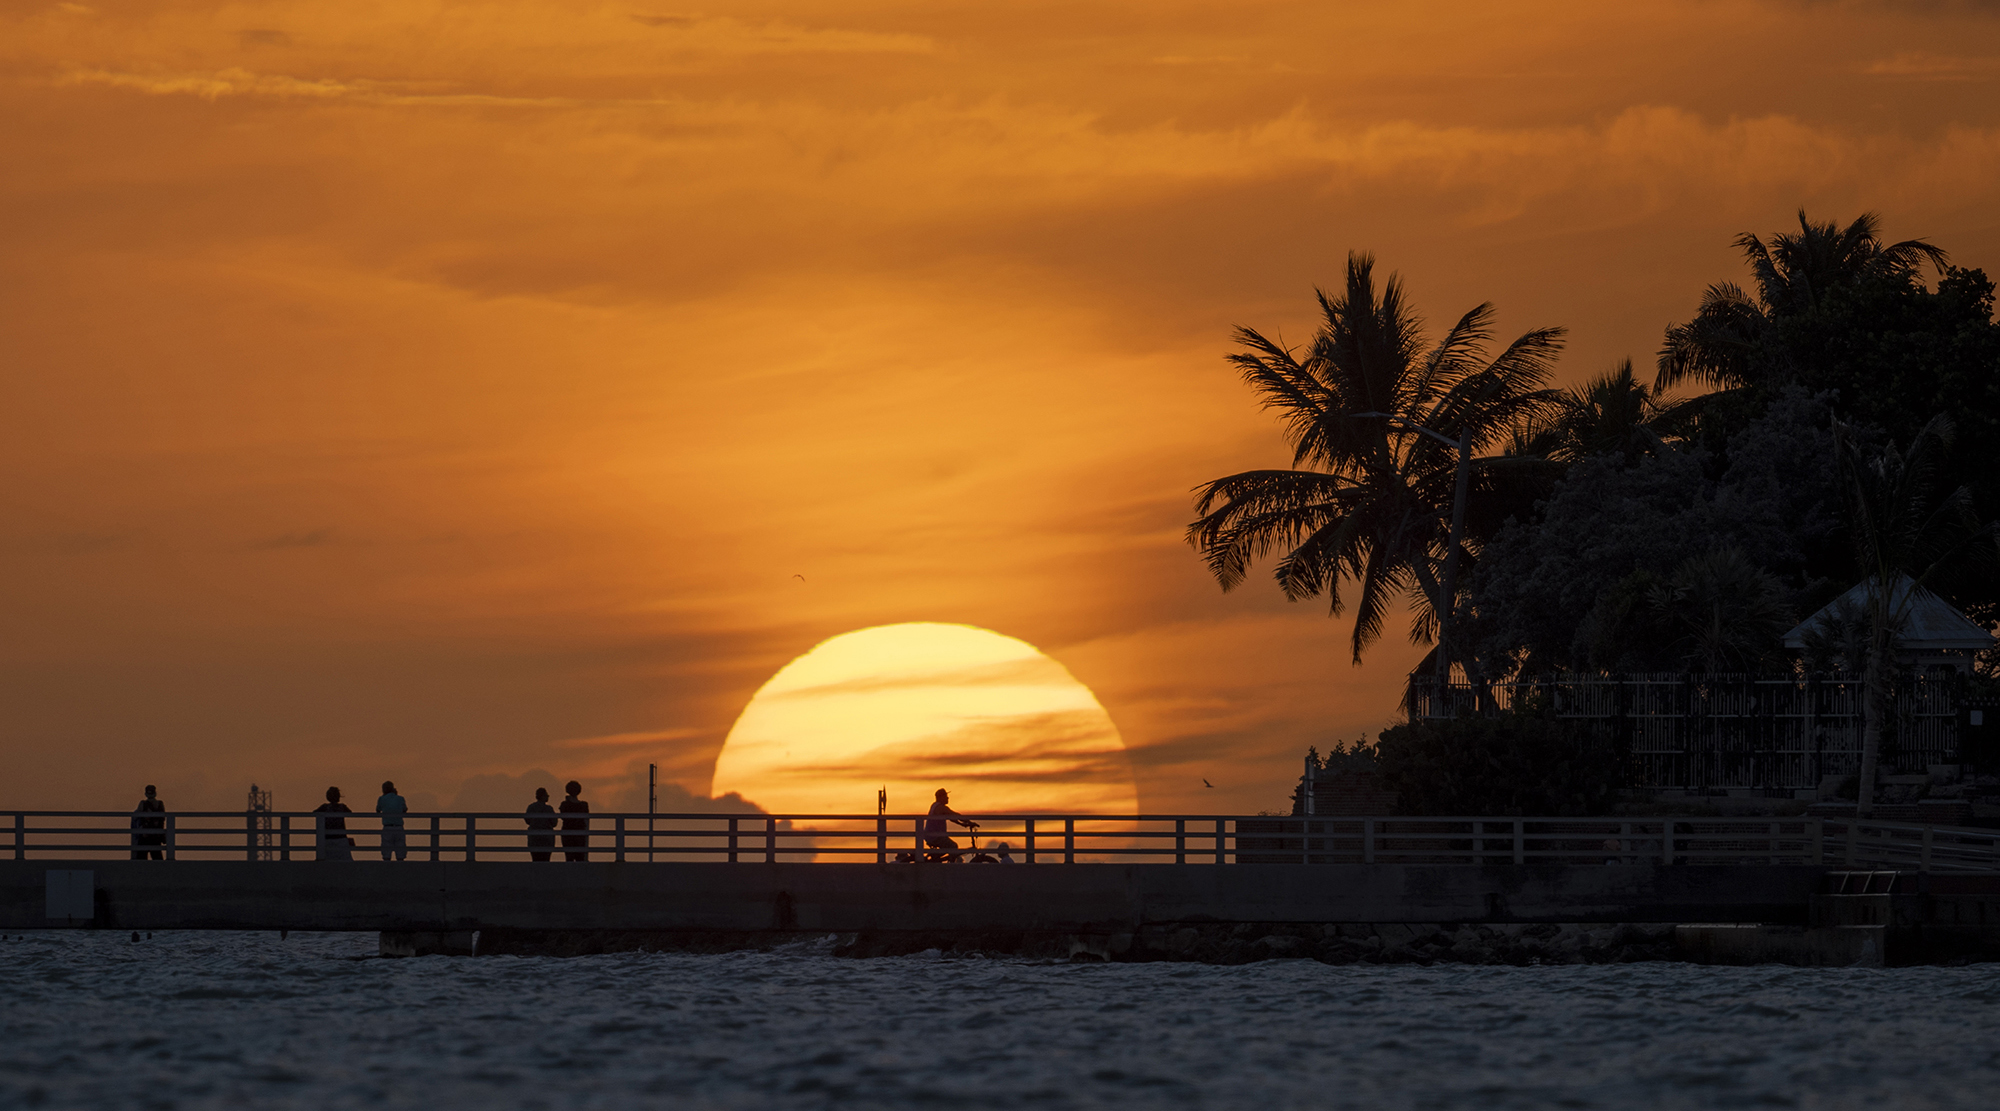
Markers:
{"x": 442, "y": 392}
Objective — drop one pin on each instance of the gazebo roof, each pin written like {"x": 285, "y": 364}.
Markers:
{"x": 1931, "y": 624}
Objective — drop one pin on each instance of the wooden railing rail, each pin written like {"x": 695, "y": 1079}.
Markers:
{"x": 1180, "y": 839}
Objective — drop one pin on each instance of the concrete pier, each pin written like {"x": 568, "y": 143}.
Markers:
{"x": 452, "y": 897}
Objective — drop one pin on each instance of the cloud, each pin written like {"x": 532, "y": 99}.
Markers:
{"x": 1934, "y": 67}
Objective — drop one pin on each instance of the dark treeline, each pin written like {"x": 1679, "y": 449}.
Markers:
{"x": 1833, "y": 421}
{"x": 1678, "y": 520}
{"x": 1691, "y": 534}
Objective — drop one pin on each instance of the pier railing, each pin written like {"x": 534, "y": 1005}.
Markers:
{"x": 1002, "y": 838}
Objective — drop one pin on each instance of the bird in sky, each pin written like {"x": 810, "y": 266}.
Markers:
{"x": 1206, "y": 783}
{"x": 801, "y": 578}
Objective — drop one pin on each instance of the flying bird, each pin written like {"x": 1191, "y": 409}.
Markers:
{"x": 1206, "y": 783}
{"x": 801, "y": 578}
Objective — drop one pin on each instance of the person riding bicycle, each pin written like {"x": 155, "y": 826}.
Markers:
{"x": 934, "y": 826}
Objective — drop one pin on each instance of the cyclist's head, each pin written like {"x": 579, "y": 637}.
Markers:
{"x": 943, "y": 794}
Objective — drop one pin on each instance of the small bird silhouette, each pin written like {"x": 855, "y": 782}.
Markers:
{"x": 801, "y": 578}
{"x": 1206, "y": 783}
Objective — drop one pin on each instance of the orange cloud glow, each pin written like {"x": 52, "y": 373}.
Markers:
{"x": 434, "y": 391}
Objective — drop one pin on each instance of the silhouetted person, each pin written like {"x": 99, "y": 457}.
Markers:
{"x": 934, "y": 826}
{"x": 574, "y": 841}
{"x": 541, "y": 843}
{"x": 151, "y": 804}
{"x": 333, "y": 842}
{"x": 392, "y": 807}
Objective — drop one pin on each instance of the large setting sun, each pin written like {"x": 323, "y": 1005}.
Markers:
{"x": 913, "y": 707}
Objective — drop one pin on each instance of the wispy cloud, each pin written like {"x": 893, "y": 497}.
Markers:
{"x": 1920, "y": 66}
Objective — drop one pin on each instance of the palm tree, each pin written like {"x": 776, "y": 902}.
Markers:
{"x": 1730, "y": 613}
{"x": 1612, "y": 414}
{"x": 1793, "y": 274}
{"x": 1903, "y": 536}
{"x": 1385, "y": 429}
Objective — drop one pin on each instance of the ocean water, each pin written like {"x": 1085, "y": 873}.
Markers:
{"x": 211, "y": 1020}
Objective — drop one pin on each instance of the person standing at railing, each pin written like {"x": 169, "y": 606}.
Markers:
{"x": 574, "y": 841}
{"x": 332, "y": 829}
{"x": 392, "y": 807}
{"x": 145, "y": 846}
{"x": 539, "y": 844}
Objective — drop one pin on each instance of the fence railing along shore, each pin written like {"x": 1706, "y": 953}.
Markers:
{"x": 1030, "y": 839}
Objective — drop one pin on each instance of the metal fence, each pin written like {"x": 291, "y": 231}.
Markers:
{"x": 1831, "y": 842}
{"x": 1709, "y": 732}
{"x": 1027, "y": 839}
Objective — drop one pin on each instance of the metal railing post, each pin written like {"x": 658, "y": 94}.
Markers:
{"x": 471, "y": 838}
{"x": 732, "y": 840}
{"x": 1069, "y": 840}
{"x": 1666, "y": 840}
{"x": 1520, "y": 841}
{"x": 1029, "y": 833}
{"x": 882, "y": 841}
{"x": 1367, "y": 841}
{"x": 1305, "y": 843}
{"x": 1180, "y": 840}
{"x": 618, "y": 839}
{"x": 1221, "y": 827}
{"x": 1925, "y": 866}
{"x": 171, "y": 838}
{"x": 434, "y": 837}
{"x": 20, "y": 837}
{"x": 249, "y": 835}
{"x": 770, "y": 840}
{"x": 285, "y": 837}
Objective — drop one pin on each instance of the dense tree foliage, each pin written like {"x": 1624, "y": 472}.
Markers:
{"x": 1513, "y": 764}
{"x": 1618, "y": 525}
{"x": 1698, "y": 553}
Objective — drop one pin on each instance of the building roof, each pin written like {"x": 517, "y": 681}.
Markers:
{"x": 1930, "y": 624}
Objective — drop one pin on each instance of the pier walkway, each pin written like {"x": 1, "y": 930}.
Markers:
{"x": 724, "y": 881}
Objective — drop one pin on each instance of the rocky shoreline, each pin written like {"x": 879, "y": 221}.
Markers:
{"x": 1543, "y": 943}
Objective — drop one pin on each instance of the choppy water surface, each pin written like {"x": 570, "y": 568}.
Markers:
{"x": 214, "y": 1020}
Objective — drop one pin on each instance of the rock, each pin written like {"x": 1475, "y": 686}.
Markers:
{"x": 1278, "y": 945}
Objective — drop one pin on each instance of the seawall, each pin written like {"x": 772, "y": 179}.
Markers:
{"x": 797, "y": 899}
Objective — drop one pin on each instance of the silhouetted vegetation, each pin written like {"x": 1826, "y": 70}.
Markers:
{"x": 1613, "y": 526}
{"x": 1515, "y": 763}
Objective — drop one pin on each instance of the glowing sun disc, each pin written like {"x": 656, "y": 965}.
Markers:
{"x": 919, "y": 706}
